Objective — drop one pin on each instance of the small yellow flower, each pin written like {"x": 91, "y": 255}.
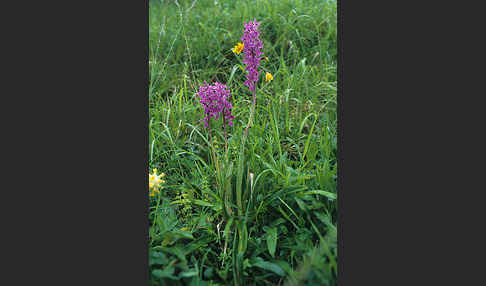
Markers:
{"x": 152, "y": 194}
{"x": 268, "y": 76}
{"x": 155, "y": 182}
{"x": 238, "y": 48}
{"x": 266, "y": 59}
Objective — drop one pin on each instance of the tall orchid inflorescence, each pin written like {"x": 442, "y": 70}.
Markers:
{"x": 215, "y": 100}
{"x": 252, "y": 51}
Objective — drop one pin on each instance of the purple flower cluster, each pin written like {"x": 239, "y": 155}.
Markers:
{"x": 215, "y": 100}
{"x": 252, "y": 52}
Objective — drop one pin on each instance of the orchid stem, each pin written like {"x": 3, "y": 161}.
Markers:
{"x": 252, "y": 112}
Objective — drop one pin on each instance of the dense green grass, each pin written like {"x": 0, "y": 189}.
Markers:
{"x": 283, "y": 229}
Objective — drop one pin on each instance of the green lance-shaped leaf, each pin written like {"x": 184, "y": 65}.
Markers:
{"x": 272, "y": 241}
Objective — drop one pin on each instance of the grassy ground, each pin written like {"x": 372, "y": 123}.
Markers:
{"x": 265, "y": 211}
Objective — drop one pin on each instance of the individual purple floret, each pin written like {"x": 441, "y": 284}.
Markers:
{"x": 252, "y": 51}
{"x": 215, "y": 100}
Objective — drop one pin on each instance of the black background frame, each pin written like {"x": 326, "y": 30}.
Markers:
{"x": 77, "y": 174}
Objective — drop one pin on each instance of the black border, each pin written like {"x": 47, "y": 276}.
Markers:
{"x": 81, "y": 216}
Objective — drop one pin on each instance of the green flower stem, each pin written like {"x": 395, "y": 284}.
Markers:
{"x": 159, "y": 195}
{"x": 215, "y": 157}
{"x": 241, "y": 159}
{"x": 225, "y": 135}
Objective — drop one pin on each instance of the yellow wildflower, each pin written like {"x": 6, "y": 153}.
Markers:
{"x": 238, "y": 48}
{"x": 155, "y": 182}
{"x": 153, "y": 192}
{"x": 266, "y": 59}
{"x": 268, "y": 76}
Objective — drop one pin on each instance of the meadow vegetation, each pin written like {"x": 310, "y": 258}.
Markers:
{"x": 237, "y": 206}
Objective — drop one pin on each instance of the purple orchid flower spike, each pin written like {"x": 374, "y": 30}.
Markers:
{"x": 215, "y": 101}
{"x": 252, "y": 51}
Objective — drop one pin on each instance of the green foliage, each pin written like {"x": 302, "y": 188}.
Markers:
{"x": 264, "y": 211}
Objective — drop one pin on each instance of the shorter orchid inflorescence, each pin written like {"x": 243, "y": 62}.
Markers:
{"x": 215, "y": 99}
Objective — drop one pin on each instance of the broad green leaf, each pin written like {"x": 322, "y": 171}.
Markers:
{"x": 243, "y": 238}
{"x": 283, "y": 264}
{"x": 190, "y": 273}
{"x": 272, "y": 240}
{"x": 157, "y": 258}
{"x": 329, "y": 195}
{"x": 259, "y": 262}
{"x": 202, "y": 203}
{"x": 227, "y": 228}
{"x": 301, "y": 204}
{"x": 167, "y": 272}
{"x": 208, "y": 273}
{"x": 183, "y": 234}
